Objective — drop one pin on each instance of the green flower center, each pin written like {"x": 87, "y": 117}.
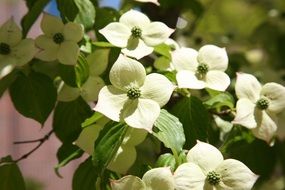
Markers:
{"x": 262, "y": 103}
{"x": 58, "y": 38}
{"x": 213, "y": 178}
{"x": 4, "y": 49}
{"x": 133, "y": 93}
{"x": 202, "y": 70}
{"x": 136, "y": 32}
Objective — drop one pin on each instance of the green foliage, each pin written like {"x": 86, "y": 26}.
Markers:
{"x": 7, "y": 81}
{"x": 86, "y": 14}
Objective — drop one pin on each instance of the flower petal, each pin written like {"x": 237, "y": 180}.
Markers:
{"x": 24, "y": 51}
{"x": 266, "y": 127}
{"x": 116, "y": 33}
{"x": 159, "y": 178}
{"x": 134, "y": 18}
{"x": 51, "y": 25}
{"x": 136, "y": 48}
{"x": 189, "y": 176}
{"x": 275, "y": 92}
{"x": 127, "y": 72}
{"x": 98, "y": 61}
{"x": 73, "y": 32}
{"x": 247, "y": 86}
{"x": 235, "y": 175}
{"x": 245, "y": 113}
{"x": 141, "y": 113}
{"x": 7, "y": 65}
{"x": 110, "y": 102}
{"x": 217, "y": 80}
{"x": 128, "y": 183}
{"x": 49, "y": 48}
{"x": 10, "y": 33}
{"x": 206, "y": 156}
{"x": 188, "y": 79}
{"x": 156, "y": 33}
{"x": 67, "y": 93}
{"x": 157, "y": 88}
{"x": 185, "y": 59}
{"x": 90, "y": 89}
{"x": 150, "y": 1}
{"x": 215, "y": 57}
{"x": 68, "y": 53}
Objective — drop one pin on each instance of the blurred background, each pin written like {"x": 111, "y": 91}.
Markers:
{"x": 253, "y": 32}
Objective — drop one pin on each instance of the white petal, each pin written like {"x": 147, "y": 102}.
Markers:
{"x": 235, "y": 175}
{"x": 123, "y": 159}
{"x": 215, "y": 57}
{"x": 73, "y": 31}
{"x": 68, "y": 53}
{"x": 217, "y": 80}
{"x": 189, "y": 176}
{"x": 276, "y": 94}
{"x": 127, "y": 72}
{"x": 188, "y": 79}
{"x": 98, "y": 61}
{"x": 110, "y": 102}
{"x": 245, "y": 113}
{"x": 266, "y": 126}
{"x": 159, "y": 178}
{"x": 156, "y": 33}
{"x": 206, "y": 156}
{"x": 172, "y": 44}
{"x": 157, "y": 88}
{"x": 247, "y": 86}
{"x": 51, "y": 25}
{"x": 136, "y": 48}
{"x": 67, "y": 93}
{"x": 134, "y": 18}
{"x": 6, "y": 66}
{"x": 128, "y": 183}
{"x": 10, "y": 33}
{"x": 24, "y": 51}
{"x": 116, "y": 33}
{"x": 185, "y": 59}
{"x": 141, "y": 113}
{"x": 149, "y": 1}
{"x": 49, "y": 48}
{"x": 134, "y": 136}
{"x": 90, "y": 89}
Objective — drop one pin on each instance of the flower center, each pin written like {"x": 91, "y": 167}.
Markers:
{"x": 213, "y": 178}
{"x": 136, "y": 32}
{"x": 133, "y": 93}
{"x": 4, "y": 49}
{"x": 202, "y": 69}
{"x": 262, "y": 103}
{"x": 58, "y": 38}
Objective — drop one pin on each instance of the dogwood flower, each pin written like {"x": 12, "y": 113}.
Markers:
{"x": 136, "y": 34}
{"x": 202, "y": 69}
{"x": 258, "y": 105}
{"x": 154, "y": 179}
{"x": 13, "y": 50}
{"x": 133, "y": 97}
{"x": 149, "y": 1}
{"x": 59, "y": 40}
{"x": 206, "y": 169}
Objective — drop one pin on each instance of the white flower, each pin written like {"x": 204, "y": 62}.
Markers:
{"x": 258, "y": 105}
{"x": 149, "y": 1}
{"x": 154, "y": 179}
{"x": 13, "y": 50}
{"x": 203, "y": 69}
{"x": 136, "y": 34}
{"x": 206, "y": 169}
{"x": 59, "y": 40}
{"x": 133, "y": 97}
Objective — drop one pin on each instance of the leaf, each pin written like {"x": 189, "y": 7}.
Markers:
{"x": 10, "y": 175}
{"x": 34, "y": 96}
{"x": 81, "y": 70}
{"x": 67, "y": 74}
{"x": 7, "y": 81}
{"x": 166, "y": 160}
{"x": 163, "y": 49}
{"x": 169, "y": 130}
{"x": 68, "y": 117}
{"x": 35, "y": 9}
{"x": 68, "y": 9}
{"x": 85, "y": 176}
{"x": 220, "y": 100}
{"x": 107, "y": 144}
{"x": 103, "y": 44}
{"x": 92, "y": 120}
{"x": 86, "y": 15}
{"x": 194, "y": 117}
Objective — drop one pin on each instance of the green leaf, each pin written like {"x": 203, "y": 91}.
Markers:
{"x": 7, "y": 81}
{"x": 163, "y": 49}
{"x": 68, "y": 9}
{"x": 102, "y": 44}
{"x": 35, "y": 9}
{"x": 81, "y": 70}
{"x": 107, "y": 144}
{"x": 34, "y": 96}
{"x": 67, "y": 74}
{"x": 220, "y": 100}
{"x": 86, "y": 15}
{"x": 10, "y": 175}
{"x": 85, "y": 176}
{"x": 68, "y": 117}
{"x": 194, "y": 117}
{"x": 162, "y": 63}
{"x": 92, "y": 120}
{"x": 169, "y": 130}
{"x": 166, "y": 160}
